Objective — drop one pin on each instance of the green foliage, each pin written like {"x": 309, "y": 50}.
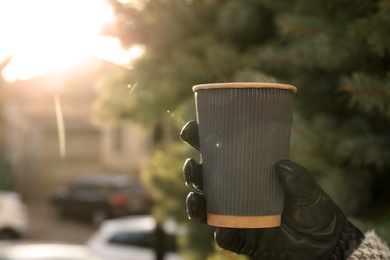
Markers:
{"x": 226, "y": 255}
{"x": 369, "y": 94}
{"x": 336, "y": 52}
{"x": 6, "y": 180}
{"x": 373, "y": 29}
{"x": 113, "y": 94}
{"x": 163, "y": 177}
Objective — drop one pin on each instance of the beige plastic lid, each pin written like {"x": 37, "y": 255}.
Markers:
{"x": 243, "y": 85}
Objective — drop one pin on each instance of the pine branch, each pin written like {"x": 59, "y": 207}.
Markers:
{"x": 369, "y": 94}
{"x": 366, "y": 150}
{"x": 314, "y": 41}
{"x": 293, "y": 25}
{"x": 374, "y": 29}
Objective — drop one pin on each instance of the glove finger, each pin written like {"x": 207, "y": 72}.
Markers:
{"x": 192, "y": 175}
{"x": 240, "y": 241}
{"x": 196, "y": 207}
{"x": 306, "y": 204}
{"x": 189, "y": 134}
{"x": 297, "y": 182}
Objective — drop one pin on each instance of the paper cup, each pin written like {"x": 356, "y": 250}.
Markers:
{"x": 244, "y": 129}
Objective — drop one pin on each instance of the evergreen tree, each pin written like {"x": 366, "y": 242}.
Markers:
{"x": 336, "y": 53}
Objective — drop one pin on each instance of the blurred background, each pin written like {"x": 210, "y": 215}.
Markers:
{"x": 102, "y": 88}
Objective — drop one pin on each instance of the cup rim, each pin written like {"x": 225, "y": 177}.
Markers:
{"x": 240, "y": 85}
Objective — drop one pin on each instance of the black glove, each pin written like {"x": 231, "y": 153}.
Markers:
{"x": 313, "y": 226}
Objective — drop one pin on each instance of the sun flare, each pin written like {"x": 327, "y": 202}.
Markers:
{"x": 47, "y": 35}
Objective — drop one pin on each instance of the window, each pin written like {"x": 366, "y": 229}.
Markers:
{"x": 141, "y": 239}
{"x": 144, "y": 239}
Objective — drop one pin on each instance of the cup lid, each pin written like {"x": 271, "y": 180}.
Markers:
{"x": 243, "y": 85}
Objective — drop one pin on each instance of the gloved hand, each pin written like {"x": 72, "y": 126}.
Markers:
{"x": 312, "y": 227}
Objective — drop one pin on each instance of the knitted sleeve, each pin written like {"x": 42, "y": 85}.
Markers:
{"x": 372, "y": 247}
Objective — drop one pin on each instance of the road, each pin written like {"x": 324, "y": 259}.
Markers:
{"x": 44, "y": 226}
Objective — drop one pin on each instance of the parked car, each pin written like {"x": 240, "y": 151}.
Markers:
{"x": 31, "y": 250}
{"x": 100, "y": 197}
{"x": 135, "y": 238}
{"x": 13, "y": 216}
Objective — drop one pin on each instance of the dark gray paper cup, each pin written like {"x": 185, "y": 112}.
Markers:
{"x": 244, "y": 129}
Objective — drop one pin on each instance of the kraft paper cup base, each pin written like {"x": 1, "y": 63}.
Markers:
{"x": 243, "y": 221}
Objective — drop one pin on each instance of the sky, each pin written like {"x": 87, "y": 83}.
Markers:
{"x": 50, "y": 35}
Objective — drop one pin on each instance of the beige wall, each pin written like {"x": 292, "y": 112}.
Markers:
{"x": 125, "y": 147}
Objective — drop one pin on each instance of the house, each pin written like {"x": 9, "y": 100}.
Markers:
{"x": 51, "y": 139}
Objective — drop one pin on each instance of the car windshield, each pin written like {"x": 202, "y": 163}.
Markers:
{"x": 144, "y": 239}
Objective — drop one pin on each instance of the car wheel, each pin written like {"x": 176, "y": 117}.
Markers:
{"x": 6, "y": 234}
{"x": 98, "y": 216}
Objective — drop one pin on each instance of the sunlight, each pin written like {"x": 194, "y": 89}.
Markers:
{"x": 50, "y": 35}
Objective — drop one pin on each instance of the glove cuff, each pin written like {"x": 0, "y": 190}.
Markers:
{"x": 350, "y": 239}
